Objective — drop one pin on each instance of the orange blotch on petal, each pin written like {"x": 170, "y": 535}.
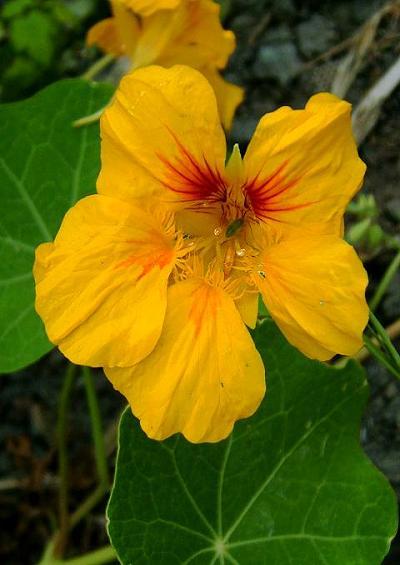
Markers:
{"x": 205, "y": 372}
{"x": 97, "y": 312}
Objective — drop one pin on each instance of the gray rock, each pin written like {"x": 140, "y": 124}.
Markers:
{"x": 284, "y": 8}
{"x": 315, "y": 35}
{"x": 242, "y": 24}
{"x": 243, "y": 128}
{"x": 276, "y": 34}
{"x": 280, "y": 62}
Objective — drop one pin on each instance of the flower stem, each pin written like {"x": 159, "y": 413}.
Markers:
{"x": 63, "y": 408}
{"x": 386, "y": 342}
{"x": 385, "y": 282}
{"x": 97, "y": 429}
{"x": 393, "y": 331}
{"x": 99, "y": 452}
{"x": 97, "y": 557}
{"x": 87, "y": 120}
{"x": 379, "y": 356}
{"x": 98, "y": 66}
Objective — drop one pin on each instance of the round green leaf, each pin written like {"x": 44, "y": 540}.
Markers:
{"x": 46, "y": 165}
{"x": 290, "y": 486}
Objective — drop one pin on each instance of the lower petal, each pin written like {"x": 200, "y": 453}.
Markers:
{"x": 315, "y": 291}
{"x": 228, "y": 96}
{"x": 201, "y": 377}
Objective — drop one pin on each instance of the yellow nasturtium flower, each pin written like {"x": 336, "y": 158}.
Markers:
{"x": 156, "y": 277}
{"x": 167, "y": 32}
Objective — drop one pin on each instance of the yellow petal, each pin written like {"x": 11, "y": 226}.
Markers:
{"x": 101, "y": 287}
{"x": 314, "y": 288}
{"x": 105, "y": 35}
{"x": 148, "y": 7}
{"x": 192, "y": 35}
{"x": 247, "y": 306}
{"x": 128, "y": 27}
{"x": 158, "y": 119}
{"x": 204, "y": 374}
{"x": 228, "y": 95}
{"x": 302, "y": 165}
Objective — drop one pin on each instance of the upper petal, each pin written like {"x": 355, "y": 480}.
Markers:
{"x": 148, "y": 7}
{"x": 314, "y": 288}
{"x": 228, "y": 95}
{"x": 302, "y": 165}
{"x": 160, "y": 121}
{"x": 193, "y": 35}
{"x": 101, "y": 287}
{"x": 105, "y": 35}
{"x": 204, "y": 374}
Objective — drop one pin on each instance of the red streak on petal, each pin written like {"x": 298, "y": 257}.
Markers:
{"x": 193, "y": 180}
{"x": 264, "y": 194}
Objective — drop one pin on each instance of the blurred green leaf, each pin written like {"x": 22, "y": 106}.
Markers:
{"x": 291, "y": 485}
{"x": 22, "y": 71}
{"x": 226, "y": 6}
{"x": 2, "y": 31}
{"x": 14, "y": 8}
{"x": 358, "y": 231}
{"x": 35, "y": 34}
{"x": 45, "y": 167}
{"x": 81, "y": 8}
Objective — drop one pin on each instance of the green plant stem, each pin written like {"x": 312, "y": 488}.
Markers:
{"x": 386, "y": 341}
{"x": 97, "y": 557}
{"x": 87, "y": 120}
{"x": 87, "y": 505}
{"x": 385, "y": 282}
{"x": 98, "y": 66}
{"x": 393, "y": 332}
{"x": 99, "y": 452}
{"x": 376, "y": 352}
{"x": 56, "y": 545}
{"x": 63, "y": 408}
{"x": 97, "y": 429}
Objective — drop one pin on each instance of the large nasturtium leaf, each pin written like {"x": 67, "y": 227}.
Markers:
{"x": 46, "y": 165}
{"x": 291, "y": 486}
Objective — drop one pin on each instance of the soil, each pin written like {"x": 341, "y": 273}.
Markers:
{"x": 278, "y": 43}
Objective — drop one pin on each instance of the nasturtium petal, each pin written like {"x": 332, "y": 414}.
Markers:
{"x": 105, "y": 35}
{"x": 148, "y": 7}
{"x": 247, "y": 306}
{"x": 158, "y": 116}
{"x": 46, "y": 165}
{"x": 290, "y": 486}
{"x": 200, "y": 378}
{"x": 194, "y": 36}
{"x": 127, "y": 26}
{"x": 302, "y": 165}
{"x": 102, "y": 286}
{"x": 314, "y": 288}
{"x": 228, "y": 95}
